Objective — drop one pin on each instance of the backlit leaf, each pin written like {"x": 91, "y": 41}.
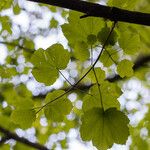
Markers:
{"x": 7, "y": 72}
{"x": 91, "y": 39}
{"x": 23, "y": 117}
{"x": 103, "y": 34}
{"x": 56, "y": 110}
{"x": 127, "y": 4}
{"x": 104, "y": 128}
{"x": 109, "y": 57}
{"x": 108, "y": 95}
{"x": 16, "y": 9}
{"x": 100, "y": 74}
{"x": 129, "y": 42}
{"x": 81, "y": 51}
{"x": 124, "y": 68}
{"x": 48, "y": 62}
{"x": 78, "y": 30}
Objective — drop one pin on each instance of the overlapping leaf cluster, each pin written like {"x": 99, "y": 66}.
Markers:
{"x": 100, "y": 119}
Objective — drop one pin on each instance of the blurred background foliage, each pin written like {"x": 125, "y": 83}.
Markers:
{"x": 26, "y": 26}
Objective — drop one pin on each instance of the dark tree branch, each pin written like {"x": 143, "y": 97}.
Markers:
{"x": 4, "y": 139}
{"x": 97, "y": 10}
{"x": 14, "y": 136}
{"x": 139, "y": 63}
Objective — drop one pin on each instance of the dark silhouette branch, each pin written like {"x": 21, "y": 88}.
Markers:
{"x": 14, "y": 136}
{"x": 97, "y": 10}
{"x": 4, "y": 139}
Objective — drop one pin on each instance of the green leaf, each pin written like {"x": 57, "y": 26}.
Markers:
{"x": 127, "y": 4}
{"x": 48, "y": 62}
{"x": 103, "y": 35}
{"x": 125, "y": 68}
{"x": 53, "y": 23}
{"x": 20, "y": 146}
{"x": 100, "y": 74}
{"x": 109, "y": 57}
{"x": 45, "y": 74}
{"x": 104, "y": 128}
{"x": 30, "y": 46}
{"x": 18, "y": 97}
{"x": 81, "y": 51}
{"x": 7, "y": 72}
{"x": 22, "y": 91}
{"x": 6, "y": 25}
{"x": 129, "y": 42}
{"x": 21, "y": 102}
{"x": 6, "y": 122}
{"x": 91, "y": 39}
{"x": 56, "y": 110}
{"x": 23, "y": 117}
{"x": 5, "y": 4}
{"x": 108, "y": 94}
{"x": 5, "y": 147}
{"x": 16, "y": 9}
{"x": 78, "y": 30}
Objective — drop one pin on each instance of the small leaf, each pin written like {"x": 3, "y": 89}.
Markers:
{"x": 7, "y": 72}
{"x": 56, "y": 110}
{"x": 103, "y": 35}
{"x": 104, "y": 128}
{"x": 23, "y": 117}
{"x": 91, "y": 39}
{"x": 48, "y": 62}
{"x": 124, "y": 68}
{"x": 16, "y": 9}
{"x": 53, "y": 23}
{"x": 6, "y": 23}
{"x": 81, "y": 51}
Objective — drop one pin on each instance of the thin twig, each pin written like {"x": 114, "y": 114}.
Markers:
{"x": 111, "y": 57}
{"x": 100, "y": 95}
{"x": 72, "y": 84}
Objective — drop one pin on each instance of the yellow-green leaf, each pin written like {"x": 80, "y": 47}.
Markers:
{"x": 125, "y": 68}
{"x": 48, "y": 62}
{"x": 23, "y": 117}
{"x": 104, "y": 128}
{"x": 78, "y": 30}
{"x": 107, "y": 97}
{"x": 81, "y": 51}
{"x": 129, "y": 42}
{"x": 57, "y": 109}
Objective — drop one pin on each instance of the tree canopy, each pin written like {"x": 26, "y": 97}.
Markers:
{"x": 92, "y": 76}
